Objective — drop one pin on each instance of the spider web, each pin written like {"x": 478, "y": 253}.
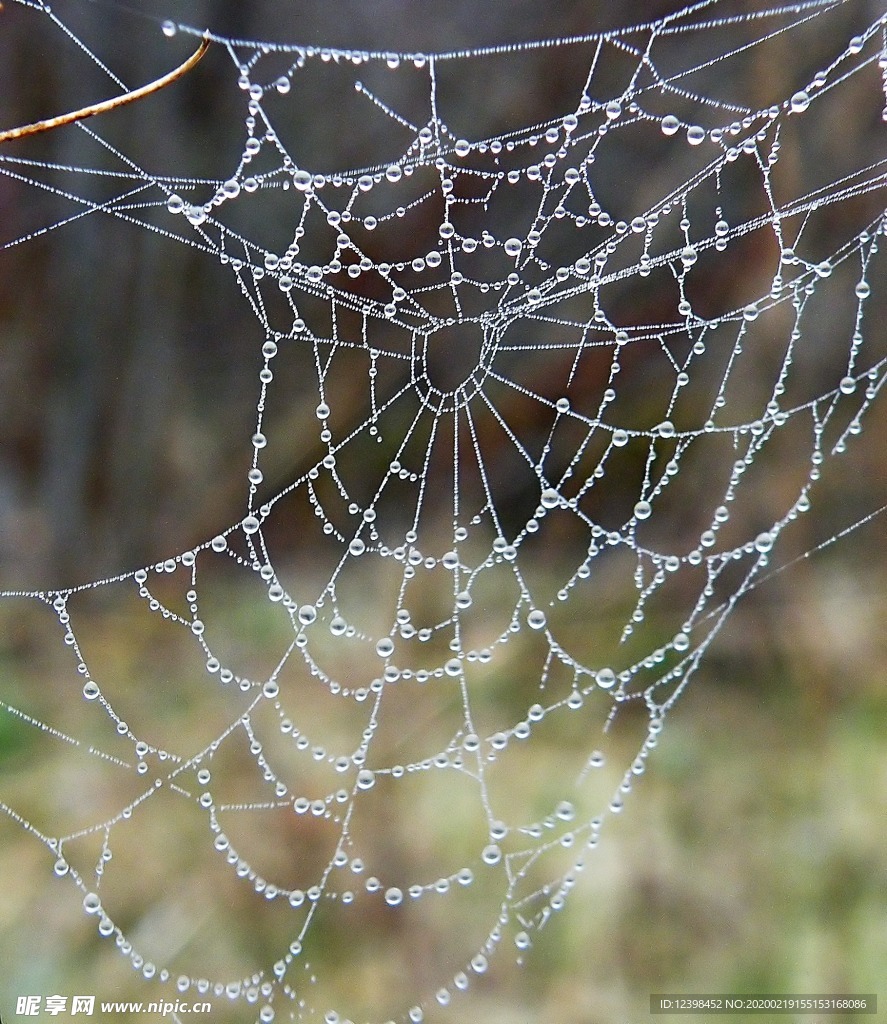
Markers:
{"x": 555, "y": 436}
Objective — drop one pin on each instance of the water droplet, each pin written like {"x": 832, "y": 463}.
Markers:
{"x": 479, "y": 963}
{"x": 513, "y": 246}
{"x": 847, "y": 385}
{"x": 606, "y": 678}
{"x": 250, "y": 524}
{"x": 695, "y": 134}
{"x": 669, "y": 124}
{"x": 357, "y": 547}
{"x": 565, "y": 811}
{"x": 393, "y": 896}
{"x": 175, "y": 203}
{"x": 307, "y": 614}
{"x": 642, "y": 510}
{"x": 365, "y": 779}
{"x": 536, "y": 619}
{"x": 620, "y": 438}
{"x": 763, "y": 542}
{"x": 385, "y": 647}
{"x": 196, "y": 214}
{"x": 492, "y": 854}
{"x": 169, "y": 28}
{"x": 550, "y": 498}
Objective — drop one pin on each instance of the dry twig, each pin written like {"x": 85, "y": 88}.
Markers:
{"x": 106, "y": 105}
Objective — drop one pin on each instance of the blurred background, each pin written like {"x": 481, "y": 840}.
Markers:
{"x": 751, "y": 857}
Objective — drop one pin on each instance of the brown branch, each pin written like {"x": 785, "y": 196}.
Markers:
{"x": 105, "y": 105}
